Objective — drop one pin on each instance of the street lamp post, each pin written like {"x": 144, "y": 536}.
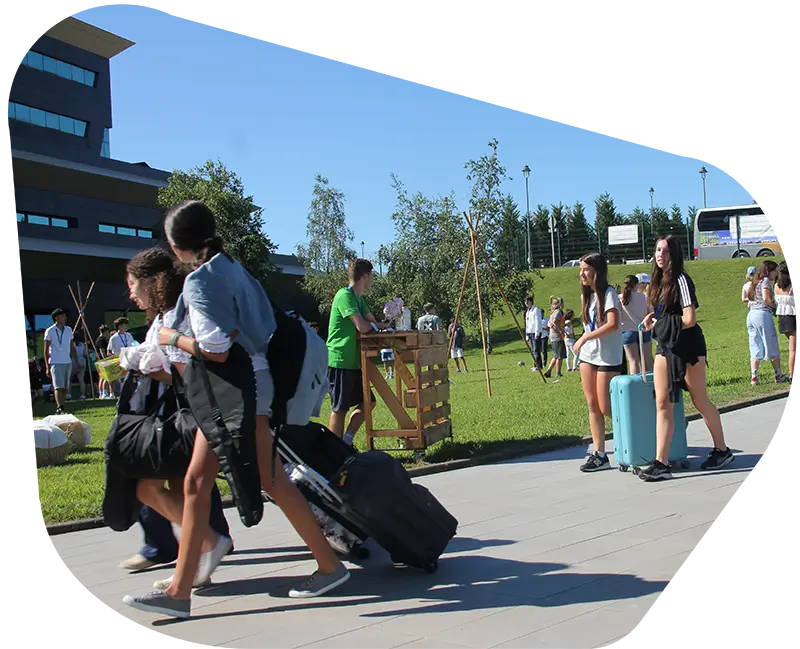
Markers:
{"x": 526, "y": 171}
{"x": 651, "y": 191}
{"x": 703, "y": 171}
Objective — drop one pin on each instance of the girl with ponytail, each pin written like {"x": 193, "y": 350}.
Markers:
{"x": 225, "y": 303}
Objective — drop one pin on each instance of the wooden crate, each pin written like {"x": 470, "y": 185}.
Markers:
{"x": 419, "y": 400}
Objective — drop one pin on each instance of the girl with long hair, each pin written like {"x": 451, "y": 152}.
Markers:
{"x": 599, "y": 351}
{"x": 761, "y": 331}
{"x": 155, "y": 280}
{"x": 787, "y": 313}
{"x": 680, "y": 362}
{"x": 226, "y": 303}
{"x": 633, "y": 309}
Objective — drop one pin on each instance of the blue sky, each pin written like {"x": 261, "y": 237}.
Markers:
{"x": 187, "y": 92}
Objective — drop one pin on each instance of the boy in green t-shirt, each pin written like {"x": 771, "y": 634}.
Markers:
{"x": 349, "y": 317}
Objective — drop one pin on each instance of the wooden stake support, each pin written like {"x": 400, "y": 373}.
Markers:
{"x": 80, "y": 305}
{"x": 419, "y": 401}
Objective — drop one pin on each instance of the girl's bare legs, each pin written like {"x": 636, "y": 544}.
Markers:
{"x": 169, "y": 503}
{"x": 665, "y": 410}
{"x": 648, "y": 356}
{"x": 290, "y": 500}
{"x": 197, "y": 487}
{"x": 597, "y": 424}
{"x": 696, "y": 382}
{"x": 792, "y": 352}
{"x": 632, "y": 354}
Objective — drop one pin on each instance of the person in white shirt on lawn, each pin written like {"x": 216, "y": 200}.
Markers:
{"x": 59, "y": 353}
{"x": 121, "y": 339}
{"x": 533, "y": 330}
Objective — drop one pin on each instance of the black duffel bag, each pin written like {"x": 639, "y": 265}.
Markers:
{"x": 156, "y": 444}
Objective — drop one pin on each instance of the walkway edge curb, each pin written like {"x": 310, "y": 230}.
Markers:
{"x": 453, "y": 465}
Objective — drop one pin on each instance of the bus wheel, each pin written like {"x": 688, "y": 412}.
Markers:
{"x": 765, "y": 253}
{"x": 741, "y": 253}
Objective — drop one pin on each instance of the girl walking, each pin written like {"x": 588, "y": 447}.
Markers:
{"x": 787, "y": 313}
{"x": 225, "y": 302}
{"x": 760, "y": 323}
{"x": 569, "y": 340}
{"x": 680, "y": 361}
{"x": 556, "y": 327}
{"x": 599, "y": 350}
{"x": 634, "y": 307}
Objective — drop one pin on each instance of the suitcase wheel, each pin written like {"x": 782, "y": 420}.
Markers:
{"x": 360, "y": 553}
{"x": 623, "y": 468}
{"x": 432, "y": 567}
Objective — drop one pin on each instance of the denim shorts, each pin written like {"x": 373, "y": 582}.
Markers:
{"x": 632, "y": 337}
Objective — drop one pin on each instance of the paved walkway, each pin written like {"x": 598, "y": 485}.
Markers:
{"x": 544, "y": 557}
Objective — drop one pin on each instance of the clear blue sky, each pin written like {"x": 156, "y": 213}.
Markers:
{"x": 187, "y": 92}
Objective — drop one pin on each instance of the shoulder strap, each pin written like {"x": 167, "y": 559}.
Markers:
{"x": 124, "y": 405}
{"x": 216, "y": 414}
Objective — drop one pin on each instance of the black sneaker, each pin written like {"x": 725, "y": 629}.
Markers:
{"x": 595, "y": 462}
{"x": 717, "y": 459}
{"x": 655, "y": 471}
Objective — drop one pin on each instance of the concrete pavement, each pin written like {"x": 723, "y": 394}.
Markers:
{"x": 544, "y": 557}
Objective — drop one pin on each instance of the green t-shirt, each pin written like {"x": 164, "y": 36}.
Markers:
{"x": 344, "y": 352}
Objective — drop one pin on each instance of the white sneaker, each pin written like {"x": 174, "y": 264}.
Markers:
{"x": 209, "y": 561}
{"x": 165, "y": 583}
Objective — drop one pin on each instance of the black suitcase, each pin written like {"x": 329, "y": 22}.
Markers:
{"x": 318, "y": 447}
{"x": 403, "y": 517}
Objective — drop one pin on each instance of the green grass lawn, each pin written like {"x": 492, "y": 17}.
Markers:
{"x": 523, "y": 411}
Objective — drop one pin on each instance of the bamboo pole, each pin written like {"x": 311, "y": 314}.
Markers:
{"x": 480, "y": 309}
{"x": 463, "y": 286}
{"x": 508, "y": 304}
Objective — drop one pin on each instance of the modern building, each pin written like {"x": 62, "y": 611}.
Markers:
{"x": 80, "y": 213}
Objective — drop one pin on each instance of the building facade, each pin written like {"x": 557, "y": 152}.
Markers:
{"x": 80, "y": 213}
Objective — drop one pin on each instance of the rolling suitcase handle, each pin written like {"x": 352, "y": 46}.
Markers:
{"x": 640, "y": 329}
{"x": 290, "y": 455}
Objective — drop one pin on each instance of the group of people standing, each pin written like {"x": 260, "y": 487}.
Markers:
{"x": 768, "y": 293}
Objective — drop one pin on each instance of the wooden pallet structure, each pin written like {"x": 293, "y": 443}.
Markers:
{"x": 420, "y": 399}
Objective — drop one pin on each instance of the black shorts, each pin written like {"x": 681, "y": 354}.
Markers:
{"x": 346, "y": 389}
{"x": 787, "y": 324}
{"x": 607, "y": 369}
{"x": 690, "y": 347}
{"x": 559, "y": 349}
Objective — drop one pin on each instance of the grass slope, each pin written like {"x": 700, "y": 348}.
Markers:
{"x": 523, "y": 411}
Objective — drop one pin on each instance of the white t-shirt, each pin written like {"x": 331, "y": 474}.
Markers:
{"x": 745, "y": 292}
{"x": 80, "y": 350}
{"x": 606, "y": 350}
{"x": 60, "y": 344}
{"x": 118, "y": 341}
{"x": 632, "y": 313}
{"x": 212, "y": 339}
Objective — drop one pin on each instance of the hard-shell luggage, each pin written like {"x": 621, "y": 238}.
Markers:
{"x": 633, "y": 415}
{"x": 344, "y": 536}
{"x": 403, "y": 517}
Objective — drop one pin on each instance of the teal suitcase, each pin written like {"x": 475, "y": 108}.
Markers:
{"x": 633, "y": 416}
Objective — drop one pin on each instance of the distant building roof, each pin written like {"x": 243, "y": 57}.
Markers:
{"x": 89, "y": 38}
{"x": 289, "y": 264}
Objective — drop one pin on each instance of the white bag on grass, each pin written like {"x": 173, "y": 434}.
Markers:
{"x": 52, "y": 445}
{"x": 78, "y": 432}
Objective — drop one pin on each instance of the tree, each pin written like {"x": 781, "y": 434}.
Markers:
{"x": 581, "y": 237}
{"x": 559, "y": 221}
{"x": 691, "y": 216}
{"x": 508, "y": 240}
{"x": 605, "y": 216}
{"x": 540, "y": 237}
{"x": 240, "y": 221}
{"x": 327, "y": 252}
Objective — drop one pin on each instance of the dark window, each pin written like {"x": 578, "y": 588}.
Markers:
{"x": 39, "y": 117}
{"x": 60, "y": 68}
{"x": 51, "y": 221}
{"x": 125, "y": 231}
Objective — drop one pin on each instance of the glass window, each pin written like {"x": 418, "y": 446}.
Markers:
{"x": 78, "y": 74}
{"x": 108, "y": 229}
{"x": 80, "y": 128}
{"x": 64, "y": 69}
{"x": 126, "y": 232}
{"x": 50, "y": 65}
{"x": 53, "y": 121}
{"x": 12, "y": 111}
{"x": 35, "y": 219}
{"x": 59, "y": 223}
{"x": 104, "y": 150}
{"x": 23, "y": 113}
{"x": 89, "y": 76}
{"x": 35, "y": 60}
{"x": 38, "y": 117}
{"x": 20, "y": 217}
{"x": 146, "y": 234}
{"x": 66, "y": 124}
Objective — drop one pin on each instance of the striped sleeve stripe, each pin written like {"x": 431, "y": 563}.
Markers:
{"x": 686, "y": 296}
